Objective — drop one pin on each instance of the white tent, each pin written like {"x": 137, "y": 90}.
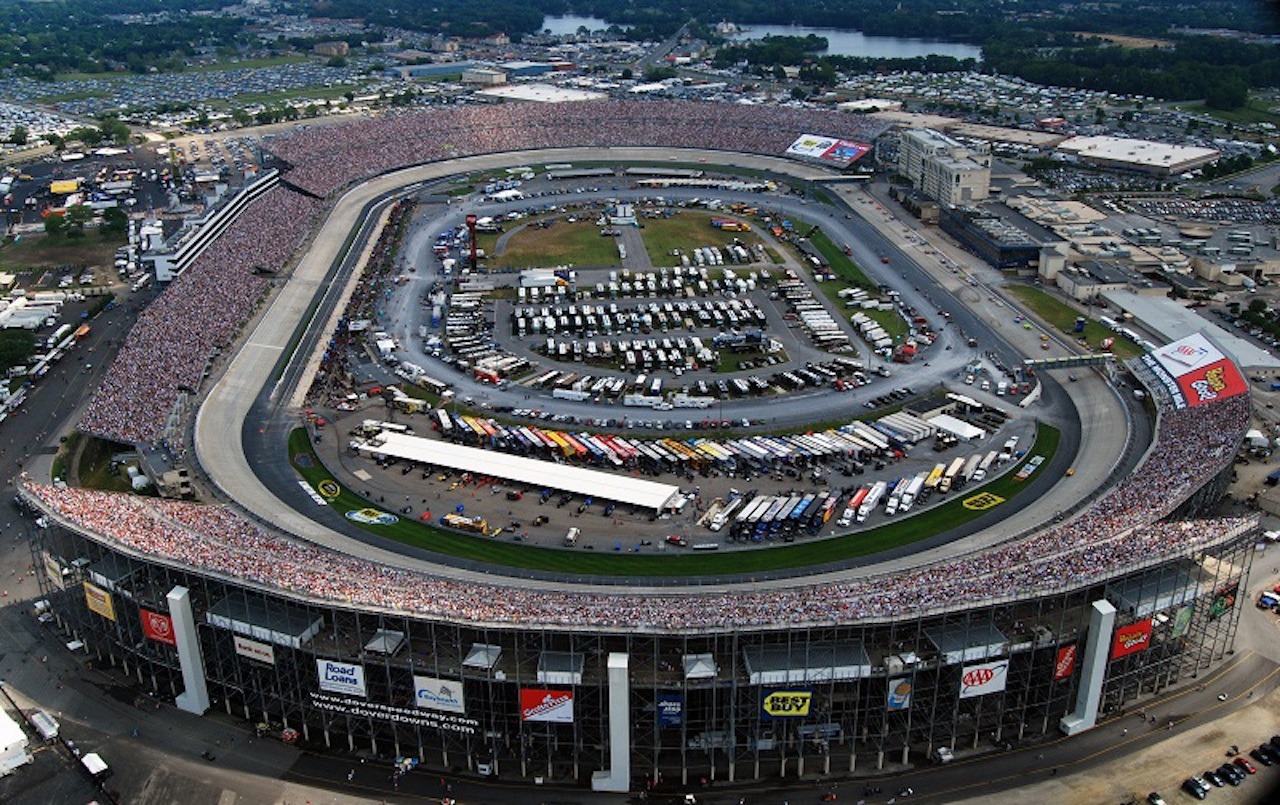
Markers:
{"x": 699, "y": 666}
{"x": 957, "y": 427}
{"x": 649, "y": 495}
{"x": 13, "y": 745}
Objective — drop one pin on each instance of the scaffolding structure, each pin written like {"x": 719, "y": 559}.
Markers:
{"x": 854, "y": 697}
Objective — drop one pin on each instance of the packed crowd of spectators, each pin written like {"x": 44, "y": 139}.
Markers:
{"x": 326, "y": 159}
{"x": 1122, "y": 528}
{"x": 198, "y": 315}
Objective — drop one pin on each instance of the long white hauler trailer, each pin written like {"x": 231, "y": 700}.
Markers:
{"x": 871, "y": 500}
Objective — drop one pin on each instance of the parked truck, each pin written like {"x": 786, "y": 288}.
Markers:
{"x": 871, "y": 500}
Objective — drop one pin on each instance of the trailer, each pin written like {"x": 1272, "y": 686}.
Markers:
{"x": 895, "y": 497}
{"x": 912, "y": 492}
{"x": 851, "y": 510}
{"x": 949, "y": 477}
{"x": 872, "y": 499}
{"x": 985, "y": 466}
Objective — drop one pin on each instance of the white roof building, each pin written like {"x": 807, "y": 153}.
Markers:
{"x": 543, "y": 93}
{"x": 1147, "y": 156}
{"x": 536, "y": 473}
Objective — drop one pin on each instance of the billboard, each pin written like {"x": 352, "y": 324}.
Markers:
{"x": 899, "y": 694}
{"x": 53, "y": 569}
{"x": 1131, "y": 639}
{"x": 157, "y": 626}
{"x": 341, "y": 677}
{"x": 439, "y": 694}
{"x": 1195, "y": 371}
{"x": 254, "y": 650}
{"x": 785, "y": 703}
{"x": 984, "y": 678}
{"x": 99, "y": 601}
{"x": 1182, "y": 622}
{"x": 670, "y": 708}
{"x": 833, "y": 151}
{"x": 1065, "y": 665}
{"x": 539, "y": 704}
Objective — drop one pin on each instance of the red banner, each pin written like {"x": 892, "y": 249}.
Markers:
{"x": 538, "y": 704}
{"x": 1217, "y": 381}
{"x": 1066, "y": 664}
{"x": 157, "y": 627}
{"x": 1131, "y": 639}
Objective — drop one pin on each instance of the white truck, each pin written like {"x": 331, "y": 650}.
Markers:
{"x": 913, "y": 490}
{"x": 871, "y": 500}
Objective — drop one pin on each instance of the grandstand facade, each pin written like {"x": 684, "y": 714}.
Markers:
{"x": 862, "y": 694}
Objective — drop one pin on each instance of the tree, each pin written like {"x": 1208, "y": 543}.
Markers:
{"x": 1257, "y": 306}
{"x": 77, "y": 218}
{"x": 19, "y": 135}
{"x": 55, "y": 226}
{"x": 626, "y": 74}
{"x": 114, "y": 222}
{"x": 1229, "y": 93}
{"x": 16, "y": 346}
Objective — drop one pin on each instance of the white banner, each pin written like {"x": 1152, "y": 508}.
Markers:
{"x": 341, "y": 677}
{"x": 979, "y": 680}
{"x": 439, "y": 694}
{"x": 254, "y": 650}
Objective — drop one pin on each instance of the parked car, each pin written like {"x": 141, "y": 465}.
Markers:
{"x": 1245, "y": 765}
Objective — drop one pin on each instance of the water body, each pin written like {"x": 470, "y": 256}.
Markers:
{"x": 559, "y": 26}
{"x": 841, "y": 42}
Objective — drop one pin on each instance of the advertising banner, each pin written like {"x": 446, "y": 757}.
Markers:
{"x": 341, "y": 677}
{"x": 439, "y": 694}
{"x": 254, "y": 650}
{"x": 670, "y": 709}
{"x": 99, "y": 601}
{"x": 984, "y": 678}
{"x": 1224, "y": 598}
{"x": 899, "y": 697}
{"x": 539, "y": 704}
{"x": 1195, "y": 371}
{"x": 842, "y": 153}
{"x": 157, "y": 626}
{"x": 1065, "y": 665}
{"x": 53, "y": 570}
{"x": 1182, "y": 622}
{"x": 793, "y": 703}
{"x": 1131, "y": 639}
{"x": 1216, "y": 381}
{"x": 359, "y": 708}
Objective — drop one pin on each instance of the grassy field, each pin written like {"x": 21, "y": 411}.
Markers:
{"x": 732, "y": 361}
{"x": 1063, "y": 317}
{"x": 682, "y": 564}
{"x": 272, "y": 98}
{"x": 560, "y": 244}
{"x": 95, "y": 471}
{"x": 1257, "y": 110}
{"x": 842, "y": 265}
{"x": 39, "y": 252}
{"x": 686, "y": 230}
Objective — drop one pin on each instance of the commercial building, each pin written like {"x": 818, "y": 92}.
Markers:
{"x": 944, "y": 169}
{"x": 484, "y": 76}
{"x": 989, "y": 236}
{"x": 1143, "y": 156}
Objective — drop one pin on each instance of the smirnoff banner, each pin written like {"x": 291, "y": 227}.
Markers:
{"x": 1131, "y": 638}
{"x": 987, "y": 677}
{"x": 341, "y": 677}
{"x": 414, "y": 717}
{"x": 539, "y": 704}
{"x": 157, "y": 626}
{"x": 439, "y": 694}
{"x": 254, "y": 650}
{"x": 1065, "y": 665}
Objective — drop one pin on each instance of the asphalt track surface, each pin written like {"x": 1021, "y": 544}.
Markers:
{"x": 255, "y": 398}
